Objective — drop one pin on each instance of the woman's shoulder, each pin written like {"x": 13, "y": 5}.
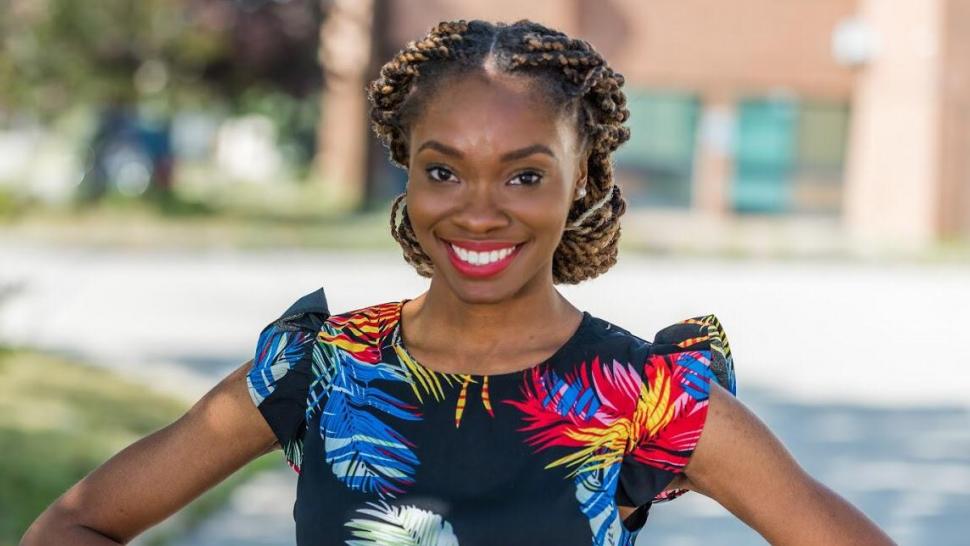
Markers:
{"x": 307, "y": 312}
{"x": 382, "y": 313}
{"x": 703, "y": 334}
{"x": 686, "y": 338}
{"x": 313, "y": 307}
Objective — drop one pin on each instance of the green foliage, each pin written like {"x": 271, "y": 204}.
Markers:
{"x": 11, "y": 205}
{"x": 59, "y": 420}
{"x": 59, "y": 54}
{"x": 62, "y": 52}
{"x": 295, "y": 121}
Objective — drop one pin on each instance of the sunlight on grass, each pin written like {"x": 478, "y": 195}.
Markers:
{"x": 242, "y": 217}
{"x": 59, "y": 420}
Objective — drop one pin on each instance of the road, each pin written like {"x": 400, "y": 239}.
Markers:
{"x": 860, "y": 368}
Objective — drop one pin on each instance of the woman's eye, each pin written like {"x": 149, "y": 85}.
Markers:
{"x": 440, "y": 174}
{"x": 529, "y": 178}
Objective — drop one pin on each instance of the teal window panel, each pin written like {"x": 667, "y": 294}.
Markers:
{"x": 764, "y": 155}
{"x": 657, "y": 162}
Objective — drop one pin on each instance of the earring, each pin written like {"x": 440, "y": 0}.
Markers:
{"x": 581, "y": 193}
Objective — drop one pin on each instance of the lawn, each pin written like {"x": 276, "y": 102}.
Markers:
{"x": 60, "y": 419}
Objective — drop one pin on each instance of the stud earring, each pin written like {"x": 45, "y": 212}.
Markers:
{"x": 581, "y": 193}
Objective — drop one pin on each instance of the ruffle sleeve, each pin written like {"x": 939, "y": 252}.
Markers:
{"x": 279, "y": 380}
{"x": 677, "y": 369}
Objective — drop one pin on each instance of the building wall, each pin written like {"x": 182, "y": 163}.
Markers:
{"x": 954, "y": 198}
{"x": 413, "y": 18}
{"x": 694, "y": 44}
{"x": 893, "y": 172}
{"x": 907, "y": 159}
{"x": 673, "y": 46}
{"x": 753, "y": 46}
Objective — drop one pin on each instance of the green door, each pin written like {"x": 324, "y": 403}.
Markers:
{"x": 765, "y": 148}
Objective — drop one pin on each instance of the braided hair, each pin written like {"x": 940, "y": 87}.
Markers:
{"x": 570, "y": 74}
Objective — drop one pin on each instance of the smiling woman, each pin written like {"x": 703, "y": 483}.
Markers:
{"x": 487, "y": 139}
{"x": 484, "y": 102}
{"x": 488, "y": 409}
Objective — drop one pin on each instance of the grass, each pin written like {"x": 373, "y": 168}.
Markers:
{"x": 60, "y": 419}
{"x": 199, "y": 222}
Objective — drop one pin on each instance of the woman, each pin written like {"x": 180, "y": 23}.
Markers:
{"x": 489, "y": 409}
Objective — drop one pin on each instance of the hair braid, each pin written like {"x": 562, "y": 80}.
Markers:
{"x": 403, "y": 233}
{"x": 388, "y": 93}
{"x": 575, "y": 74}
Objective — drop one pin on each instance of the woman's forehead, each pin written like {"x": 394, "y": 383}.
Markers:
{"x": 482, "y": 112}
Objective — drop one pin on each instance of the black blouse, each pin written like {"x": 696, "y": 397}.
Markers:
{"x": 390, "y": 452}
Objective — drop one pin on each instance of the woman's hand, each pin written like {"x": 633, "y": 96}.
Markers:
{"x": 160, "y": 473}
{"x": 739, "y": 463}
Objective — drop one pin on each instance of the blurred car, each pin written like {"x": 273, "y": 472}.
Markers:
{"x": 128, "y": 155}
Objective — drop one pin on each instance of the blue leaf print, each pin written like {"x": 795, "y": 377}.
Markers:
{"x": 277, "y": 352}
{"x": 699, "y": 375}
{"x": 595, "y": 492}
{"x": 365, "y": 453}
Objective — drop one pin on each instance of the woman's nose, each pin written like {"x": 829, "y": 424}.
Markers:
{"x": 480, "y": 211}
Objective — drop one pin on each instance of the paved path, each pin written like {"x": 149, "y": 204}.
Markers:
{"x": 860, "y": 369}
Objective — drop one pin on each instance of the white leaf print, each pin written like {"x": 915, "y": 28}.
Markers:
{"x": 400, "y": 526}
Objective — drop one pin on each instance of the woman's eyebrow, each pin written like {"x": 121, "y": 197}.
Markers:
{"x": 507, "y": 156}
{"x": 443, "y": 148}
{"x": 527, "y": 151}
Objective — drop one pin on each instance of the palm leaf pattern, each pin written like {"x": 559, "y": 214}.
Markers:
{"x": 606, "y": 411}
{"x": 689, "y": 384}
{"x": 400, "y": 526}
{"x": 360, "y": 332}
{"x": 279, "y": 350}
{"x": 706, "y": 334}
{"x": 430, "y": 382}
{"x": 422, "y": 379}
{"x": 601, "y": 416}
{"x": 594, "y": 491}
{"x": 364, "y": 452}
{"x": 601, "y": 410}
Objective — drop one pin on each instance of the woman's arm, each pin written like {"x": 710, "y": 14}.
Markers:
{"x": 159, "y": 474}
{"x": 739, "y": 463}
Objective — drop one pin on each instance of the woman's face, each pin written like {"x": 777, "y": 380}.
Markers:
{"x": 493, "y": 172}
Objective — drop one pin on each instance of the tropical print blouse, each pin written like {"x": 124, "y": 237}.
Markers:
{"x": 390, "y": 452}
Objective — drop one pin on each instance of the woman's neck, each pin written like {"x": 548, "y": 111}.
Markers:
{"x": 439, "y": 323}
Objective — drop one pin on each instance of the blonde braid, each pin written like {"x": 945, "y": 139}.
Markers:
{"x": 403, "y": 233}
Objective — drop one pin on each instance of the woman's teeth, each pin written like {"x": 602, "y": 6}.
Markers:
{"x": 481, "y": 258}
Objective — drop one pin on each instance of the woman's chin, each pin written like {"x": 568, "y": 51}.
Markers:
{"x": 480, "y": 292}
{"x": 485, "y": 291}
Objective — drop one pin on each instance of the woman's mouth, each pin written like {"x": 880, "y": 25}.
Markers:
{"x": 481, "y": 258}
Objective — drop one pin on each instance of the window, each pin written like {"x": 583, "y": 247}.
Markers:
{"x": 789, "y": 156}
{"x": 823, "y": 135}
{"x": 656, "y": 165}
{"x": 764, "y": 155}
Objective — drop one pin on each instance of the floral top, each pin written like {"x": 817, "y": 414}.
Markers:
{"x": 390, "y": 452}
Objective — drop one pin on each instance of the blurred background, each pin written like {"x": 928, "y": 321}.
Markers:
{"x": 173, "y": 174}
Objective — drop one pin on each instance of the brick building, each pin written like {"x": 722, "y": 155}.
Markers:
{"x": 854, "y": 111}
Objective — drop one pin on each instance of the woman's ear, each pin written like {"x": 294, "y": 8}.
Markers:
{"x": 580, "y": 190}
{"x": 581, "y": 178}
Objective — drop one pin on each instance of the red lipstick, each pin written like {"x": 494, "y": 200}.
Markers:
{"x": 481, "y": 271}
